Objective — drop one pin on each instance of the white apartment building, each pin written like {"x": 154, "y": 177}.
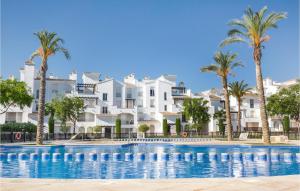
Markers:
{"x": 147, "y": 101}
{"x": 135, "y": 102}
{"x": 250, "y": 112}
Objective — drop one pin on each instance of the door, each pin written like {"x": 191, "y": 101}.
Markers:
{"x": 107, "y": 132}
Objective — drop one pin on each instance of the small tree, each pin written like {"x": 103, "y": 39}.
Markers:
{"x": 61, "y": 111}
{"x": 75, "y": 108}
{"x": 13, "y": 93}
{"x": 286, "y": 124}
{"x": 97, "y": 129}
{"x": 220, "y": 116}
{"x": 144, "y": 128}
{"x": 50, "y": 110}
{"x": 286, "y": 103}
{"x": 178, "y": 126}
{"x": 165, "y": 127}
{"x": 196, "y": 109}
{"x": 64, "y": 128}
{"x": 118, "y": 128}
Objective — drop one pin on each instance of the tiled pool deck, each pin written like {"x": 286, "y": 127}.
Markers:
{"x": 275, "y": 183}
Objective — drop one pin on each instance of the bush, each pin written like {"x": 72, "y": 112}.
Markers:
{"x": 51, "y": 124}
{"x": 286, "y": 124}
{"x": 118, "y": 128}
{"x": 97, "y": 129}
{"x": 165, "y": 127}
{"x": 178, "y": 126}
{"x": 144, "y": 128}
{"x": 18, "y": 127}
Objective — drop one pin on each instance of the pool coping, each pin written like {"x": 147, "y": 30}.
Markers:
{"x": 262, "y": 183}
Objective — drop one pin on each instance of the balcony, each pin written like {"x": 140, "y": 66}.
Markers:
{"x": 85, "y": 88}
{"x": 178, "y": 91}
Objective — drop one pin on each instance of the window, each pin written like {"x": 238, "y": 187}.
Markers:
{"x": 166, "y": 108}
{"x": 165, "y": 95}
{"x": 54, "y": 91}
{"x": 104, "y": 97}
{"x": 37, "y": 94}
{"x": 104, "y": 110}
{"x": 152, "y": 103}
{"x": 140, "y": 94}
{"x": 152, "y": 92}
{"x": 129, "y": 95}
{"x": 118, "y": 94}
{"x": 251, "y": 103}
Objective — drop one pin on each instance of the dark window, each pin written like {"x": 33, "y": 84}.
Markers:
{"x": 104, "y": 110}
{"x": 166, "y": 108}
{"x": 151, "y": 92}
{"x": 183, "y": 118}
{"x": 251, "y": 103}
{"x": 37, "y": 94}
{"x": 165, "y": 95}
{"x": 104, "y": 97}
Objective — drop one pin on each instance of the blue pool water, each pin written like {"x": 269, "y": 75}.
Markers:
{"x": 173, "y": 161}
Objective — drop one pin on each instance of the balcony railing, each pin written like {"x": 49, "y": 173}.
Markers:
{"x": 178, "y": 91}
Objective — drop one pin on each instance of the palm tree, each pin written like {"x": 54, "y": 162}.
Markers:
{"x": 50, "y": 45}
{"x": 252, "y": 29}
{"x": 224, "y": 63}
{"x": 238, "y": 90}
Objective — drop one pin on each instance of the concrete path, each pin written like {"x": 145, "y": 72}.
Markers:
{"x": 276, "y": 183}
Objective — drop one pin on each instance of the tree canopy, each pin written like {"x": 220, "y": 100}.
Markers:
{"x": 286, "y": 102}
{"x": 252, "y": 27}
{"x": 13, "y": 93}
{"x": 220, "y": 117}
{"x": 66, "y": 109}
{"x": 144, "y": 128}
{"x": 196, "y": 109}
{"x": 223, "y": 65}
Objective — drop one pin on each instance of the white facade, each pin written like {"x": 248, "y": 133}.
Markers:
{"x": 135, "y": 102}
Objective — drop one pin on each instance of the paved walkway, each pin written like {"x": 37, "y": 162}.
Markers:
{"x": 276, "y": 183}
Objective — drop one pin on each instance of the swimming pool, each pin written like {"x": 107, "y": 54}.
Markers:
{"x": 148, "y": 161}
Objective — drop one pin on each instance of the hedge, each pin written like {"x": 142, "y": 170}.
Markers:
{"x": 18, "y": 127}
{"x": 118, "y": 128}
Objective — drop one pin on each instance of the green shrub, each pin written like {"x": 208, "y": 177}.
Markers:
{"x": 178, "y": 126}
{"x": 144, "y": 128}
{"x": 286, "y": 124}
{"x": 165, "y": 127}
{"x": 97, "y": 129}
{"x": 18, "y": 127}
{"x": 51, "y": 124}
{"x": 118, "y": 128}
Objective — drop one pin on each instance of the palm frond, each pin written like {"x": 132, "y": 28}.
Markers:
{"x": 51, "y": 44}
{"x": 210, "y": 68}
{"x": 64, "y": 51}
{"x": 231, "y": 40}
{"x": 234, "y": 65}
{"x": 33, "y": 55}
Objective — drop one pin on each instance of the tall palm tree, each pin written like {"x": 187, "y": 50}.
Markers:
{"x": 252, "y": 29}
{"x": 50, "y": 45}
{"x": 224, "y": 63}
{"x": 238, "y": 90}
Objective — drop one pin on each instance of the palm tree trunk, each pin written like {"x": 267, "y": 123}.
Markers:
{"x": 41, "y": 106}
{"x": 74, "y": 126}
{"x": 261, "y": 96}
{"x": 239, "y": 117}
{"x": 227, "y": 109}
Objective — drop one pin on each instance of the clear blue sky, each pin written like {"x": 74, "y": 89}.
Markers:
{"x": 145, "y": 37}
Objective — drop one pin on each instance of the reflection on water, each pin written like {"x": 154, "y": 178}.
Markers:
{"x": 207, "y": 166}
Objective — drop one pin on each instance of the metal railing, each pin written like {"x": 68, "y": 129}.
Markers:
{"x": 12, "y": 137}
